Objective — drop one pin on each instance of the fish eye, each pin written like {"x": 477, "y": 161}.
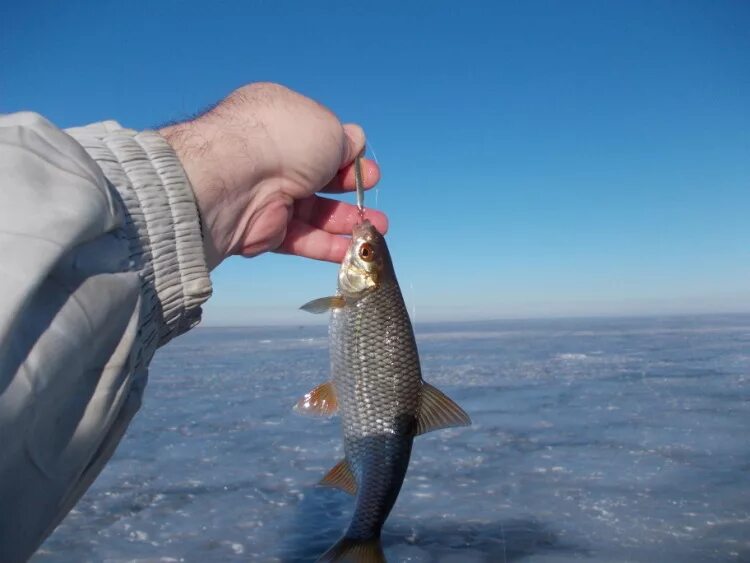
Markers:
{"x": 366, "y": 252}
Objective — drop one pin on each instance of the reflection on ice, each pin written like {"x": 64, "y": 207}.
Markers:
{"x": 571, "y": 357}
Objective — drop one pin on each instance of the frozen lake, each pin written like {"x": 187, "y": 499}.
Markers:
{"x": 605, "y": 439}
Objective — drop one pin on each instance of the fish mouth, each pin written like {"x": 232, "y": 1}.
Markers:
{"x": 363, "y": 229}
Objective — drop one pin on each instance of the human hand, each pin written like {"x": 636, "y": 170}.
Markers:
{"x": 256, "y": 161}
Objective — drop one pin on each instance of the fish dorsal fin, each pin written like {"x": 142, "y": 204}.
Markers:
{"x": 341, "y": 477}
{"x": 324, "y": 304}
{"x": 438, "y": 411}
{"x": 321, "y": 401}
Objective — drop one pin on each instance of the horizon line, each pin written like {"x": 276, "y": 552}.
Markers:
{"x": 592, "y": 316}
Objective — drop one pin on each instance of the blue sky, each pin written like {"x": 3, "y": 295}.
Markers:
{"x": 539, "y": 158}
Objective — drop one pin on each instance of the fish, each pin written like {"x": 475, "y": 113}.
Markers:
{"x": 376, "y": 387}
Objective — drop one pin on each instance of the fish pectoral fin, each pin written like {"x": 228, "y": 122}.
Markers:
{"x": 324, "y": 304}
{"x": 321, "y": 401}
{"x": 341, "y": 477}
{"x": 438, "y": 411}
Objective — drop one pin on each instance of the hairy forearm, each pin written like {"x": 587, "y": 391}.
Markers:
{"x": 212, "y": 156}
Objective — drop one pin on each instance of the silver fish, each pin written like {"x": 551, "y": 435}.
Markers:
{"x": 377, "y": 387}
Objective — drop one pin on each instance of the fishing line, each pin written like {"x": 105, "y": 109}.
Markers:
{"x": 505, "y": 542}
{"x": 369, "y": 149}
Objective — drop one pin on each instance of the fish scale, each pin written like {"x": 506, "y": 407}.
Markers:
{"x": 377, "y": 378}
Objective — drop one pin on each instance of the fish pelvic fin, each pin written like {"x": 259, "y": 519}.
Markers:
{"x": 321, "y": 401}
{"x": 324, "y": 304}
{"x": 354, "y": 550}
{"x": 341, "y": 477}
{"x": 437, "y": 411}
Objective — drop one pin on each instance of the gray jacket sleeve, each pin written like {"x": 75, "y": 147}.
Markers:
{"x": 101, "y": 262}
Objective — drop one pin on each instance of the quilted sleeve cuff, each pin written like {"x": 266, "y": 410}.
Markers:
{"x": 162, "y": 222}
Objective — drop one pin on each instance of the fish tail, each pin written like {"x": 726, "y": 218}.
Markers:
{"x": 353, "y": 550}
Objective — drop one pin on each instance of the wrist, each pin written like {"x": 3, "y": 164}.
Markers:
{"x": 210, "y": 158}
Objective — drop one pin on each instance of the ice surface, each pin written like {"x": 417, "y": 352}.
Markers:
{"x": 606, "y": 440}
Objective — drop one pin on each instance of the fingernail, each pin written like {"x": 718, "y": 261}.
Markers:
{"x": 356, "y": 136}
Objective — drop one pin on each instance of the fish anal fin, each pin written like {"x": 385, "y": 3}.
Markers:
{"x": 321, "y": 401}
{"x": 323, "y": 304}
{"x": 437, "y": 411}
{"x": 341, "y": 477}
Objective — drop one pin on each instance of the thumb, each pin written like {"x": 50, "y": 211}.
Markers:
{"x": 354, "y": 143}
